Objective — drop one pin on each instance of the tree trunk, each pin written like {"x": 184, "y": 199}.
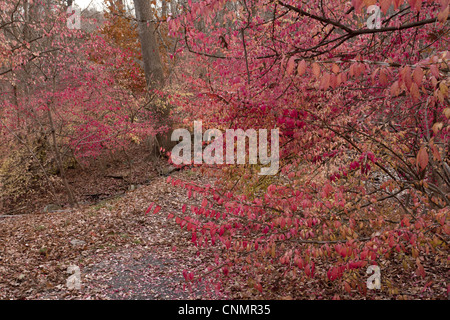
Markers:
{"x": 149, "y": 46}
{"x": 62, "y": 173}
{"x": 72, "y": 200}
{"x": 152, "y": 67}
{"x": 173, "y": 8}
{"x": 163, "y": 9}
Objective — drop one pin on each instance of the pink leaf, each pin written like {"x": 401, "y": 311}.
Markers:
{"x": 290, "y": 65}
{"x": 301, "y": 69}
{"x": 149, "y": 208}
{"x": 422, "y": 158}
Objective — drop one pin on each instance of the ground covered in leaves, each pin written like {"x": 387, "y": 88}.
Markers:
{"x": 124, "y": 253}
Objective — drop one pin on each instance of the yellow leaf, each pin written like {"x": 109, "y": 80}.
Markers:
{"x": 436, "y": 127}
{"x": 273, "y": 250}
{"x": 405, "y": 265}
{"x": 447, "y": 112}
{"x": 443, "y": 88}
{"x": 440, "y": 96}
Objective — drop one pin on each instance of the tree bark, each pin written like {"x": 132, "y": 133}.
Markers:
{"x": 149, "y": 45}
{"x": 72, "y": 200}
{"x": 173, "y": 8}
{"x": 163, "y": 9}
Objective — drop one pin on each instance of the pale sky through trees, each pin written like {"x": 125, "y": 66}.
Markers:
{"x": 83, "y": 4}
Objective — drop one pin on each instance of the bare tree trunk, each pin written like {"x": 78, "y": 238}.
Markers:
{"x": 152, "y": 66}
{"x": 173, "y": 8}
{"x": 163, "y": 9}
{"x": 62, "y": 172}
{"x": 149, "y": 46}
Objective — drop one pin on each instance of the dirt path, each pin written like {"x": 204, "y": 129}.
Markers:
{"x": 122, "y": 253}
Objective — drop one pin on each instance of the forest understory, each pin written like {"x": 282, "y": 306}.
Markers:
{"x": 124, "y": 253}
